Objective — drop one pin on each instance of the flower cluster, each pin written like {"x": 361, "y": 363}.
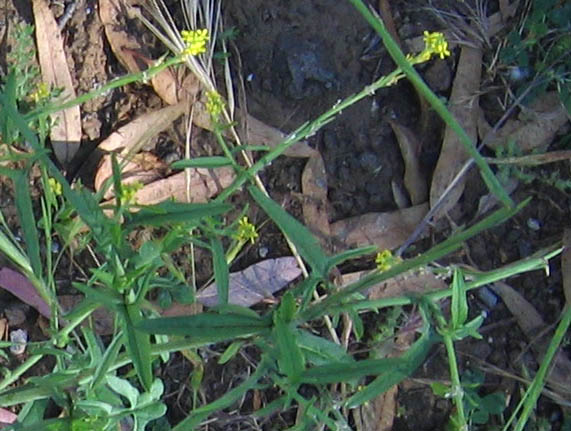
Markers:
{"x": 434, "y": 44}
{"x": 195, "y": 41}
{"x": 385, "y": 260}
{"x": 129, "y": 190}
{"x": 214, "y": 104}
{"x": 55, "y": 186}
{"x": 41, "y": 93}
{"x": 246, "y": 231}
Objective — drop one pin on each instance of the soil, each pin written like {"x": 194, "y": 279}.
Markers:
{"x": 296, "y": 59}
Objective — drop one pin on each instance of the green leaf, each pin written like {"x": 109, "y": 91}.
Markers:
{"x": 207, "y": 326}
{"x": 319, "y": 350}
{"x": 351, "y": 254}
{"x": 175, "y": 212}
{"x": 344, "y": 372}
{"x": 108, "y": 359}
{"x": 221, "y": 272}
{"x": 407, "y": 364}
{"x": 138, "y": 344}
{"x": 306, "y": 244}
{"x": 290, "y": 360}
{"x": 459, "y": 307}
{"x": 202, "y": 162}
{"x": 124, "y": 388}
{"x": 230, "y": 352}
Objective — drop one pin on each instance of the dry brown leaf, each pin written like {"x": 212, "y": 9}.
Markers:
{"x": 534, "y": 128}
{"x": 385, "y": 230}
{"x": 532, "y": 325}
{"x": 19, "y": 286}
{"x": 122, "y": 42}
{"x": 314, "y": 199}
{"x": 463, "y": 105}
{"x": 129, "y": 139}
{"x": 255, "y": 283}
{"x": 387, "y": 16}
{"x": 203, "y": 185}
{"x": 414, "y": 180}
{"x": 7, "y": 417}
{"x": 566, "y": 265}
{"x": 65, "y": 134}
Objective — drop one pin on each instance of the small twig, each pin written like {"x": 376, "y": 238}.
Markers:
{"x": 67, "y": 14}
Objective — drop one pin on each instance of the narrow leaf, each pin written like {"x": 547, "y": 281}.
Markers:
{"x": 202, "y": 162}
{"x": 303, "y": 239}
{"x": 138, "y": 345}
{"x": 221, "y": 273}
{"x": 175, "y": 212}
{"x": 459, "y": 307}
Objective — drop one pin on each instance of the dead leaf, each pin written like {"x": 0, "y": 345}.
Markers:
{"x": 122, "y": 42}
{"x": 7, "y": 417}
{"x": 414, "y": 180}
{"x": 535, "y": 127}
{"x": 24, "y": 290}
{"x": 387, "y": 16}
{"x": 566, "y": 265}
{"x": 314, "y": 199}
{"x": 65, "y": 134}
{"x": 532, "y": 325}
{"x": 255, "y": 283}
{"x": 129, "y": 139}
{"x": 463, "y": 105}
{"x": 203, "y": 185}
{"x": 385, "y": 230}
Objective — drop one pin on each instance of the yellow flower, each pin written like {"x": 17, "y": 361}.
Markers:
{"x": 129, "y": 190}
{"x": 246, "y": 231}
{"x": 41, "y": 93}
{"x": 55, "y": 186}
{"x": 385, "y": 260}
{"x": 214, "y": 104}
{"x": 435, "y": 43}
{"x": 195, "y": 41}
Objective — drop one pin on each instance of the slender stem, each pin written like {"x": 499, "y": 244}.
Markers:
{"x": 457, "y": 390}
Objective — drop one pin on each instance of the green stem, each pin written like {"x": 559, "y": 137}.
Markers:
{"x": 488, "y": 176}
{"x": 457, "y": 390}
{"x": 534, "y": 391}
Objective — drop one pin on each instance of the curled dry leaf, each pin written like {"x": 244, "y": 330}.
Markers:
{"x": 385, "y": 230}
{"x": 24, "y": 290}
{"x": 123, "y": 43}
{"x": 463, "y": 105}
{"x": 7, "y": 417}
{"x": 535, "y": 329}
{"x": 255, "y": 283}
{"x": 414, "y": 180}
{"x": 314, "y": 199}
{"x": 128, "y": 140}
{"x": 65, "y": 134}
{"x": 535, "y": 127}
{"x": 202, "y": 185}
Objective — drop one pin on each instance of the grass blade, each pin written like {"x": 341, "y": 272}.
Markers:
{"x": 307, "y": 245}
{"x": 175, "y": 212}
{"x": 221, "y": 272}
{"x": 203, "y": 162}
{"x": 138, "y": 345}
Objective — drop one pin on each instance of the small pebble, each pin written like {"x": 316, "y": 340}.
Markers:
{"x": 533, "y": 224}
{"x": 487, "y": 296}
{"x": 263, "y": 252}
{"x": 20, "y": 337}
